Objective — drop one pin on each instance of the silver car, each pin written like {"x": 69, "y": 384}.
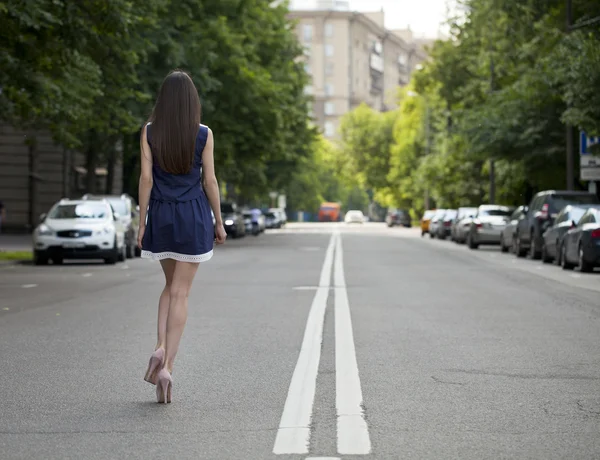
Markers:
{"x": 462, "y": 224}
{"x": 487, "y": 225}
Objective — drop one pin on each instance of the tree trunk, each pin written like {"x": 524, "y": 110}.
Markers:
{"x": 34, "y": 178}
{"x": 110, "y": 166}
{"x": 91, "y": 161}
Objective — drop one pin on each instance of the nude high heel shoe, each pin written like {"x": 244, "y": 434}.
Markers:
{"x": 155, "y": 365}
{"x": 164, "y": 386}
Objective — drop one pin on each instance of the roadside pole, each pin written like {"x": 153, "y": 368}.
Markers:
{"x": 569, "y": 129}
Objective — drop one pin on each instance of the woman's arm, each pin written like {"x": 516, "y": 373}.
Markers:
{"x": 211, "y": 185}
{"x": 145, "y": 185}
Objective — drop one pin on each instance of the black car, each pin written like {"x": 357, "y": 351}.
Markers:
{"x": 581, "y": 244}
{"x": 540, "y": 216}
{"x": 566, "y": 219}
{"x": 233, "y": 220}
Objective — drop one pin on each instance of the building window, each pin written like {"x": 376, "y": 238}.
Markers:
{"x": 329, "y": 129}
{"x": 329, "y": 50}
{"x": 307, "y": 69}
{"x": 308, "y": 90}
{"x": 329, "y": 29}
{"x": 329, "y": 108}
{"x": 329, "y": 68}
{"x": 307, "y": 32}
{"x": 328, "y": 89}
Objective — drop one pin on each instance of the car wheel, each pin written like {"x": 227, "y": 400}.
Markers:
{"x": 422, "y": 233}
{"x": 130, "y": 251}
{"x": 122, "y": 253}
{"x": 557, "y": 259}
{"x": 563, "y": 258}
{"x": 431, "y": 235}
{"x": 519, "y": 252}
{"x": 472, "y": 244}
{"x": 503, "y": 247}
{"x": 545, "y": 257}
{"x": 57, "y": 260}
{"x": 584, "y": 265}
{"x": 533, "y": 254}
{"x": 39, "y": 259}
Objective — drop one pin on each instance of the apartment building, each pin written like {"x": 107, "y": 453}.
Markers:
{"x": 352, "y": 59}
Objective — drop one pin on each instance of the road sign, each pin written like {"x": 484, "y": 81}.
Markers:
{"x": 589, "y": 163}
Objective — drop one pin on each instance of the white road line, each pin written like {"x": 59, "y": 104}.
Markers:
{"x": 293, "y": 435}
{"x": 352, "y": 429}
{"x": 28, "y": 286}
{"x": 322, "y": 458}
{"x": 86, "y": 275}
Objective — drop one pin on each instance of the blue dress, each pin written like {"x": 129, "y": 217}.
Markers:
{"x": 179, "y": 222}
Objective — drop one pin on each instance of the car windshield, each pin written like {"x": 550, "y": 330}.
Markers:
{"x": 270, "y": 215}
{"x": 450, "y": 215}
{"x": 119, "y": 206}
{"x": 80, "y": 211}
{"x": 560, "y": 201}
{"x": 227, "y": 208}
{"x": 494, "y": 212}
{"x": 576, "y": 214}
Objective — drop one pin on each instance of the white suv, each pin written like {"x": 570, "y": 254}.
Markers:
{"x": 79, "y": 229}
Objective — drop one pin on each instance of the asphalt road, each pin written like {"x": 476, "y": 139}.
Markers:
{"x": 316, "y": 341}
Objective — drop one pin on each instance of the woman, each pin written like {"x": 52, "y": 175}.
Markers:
{"x": 176, "y": 225}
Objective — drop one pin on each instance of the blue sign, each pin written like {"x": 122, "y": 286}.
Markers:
{"x": 585, "y": 142}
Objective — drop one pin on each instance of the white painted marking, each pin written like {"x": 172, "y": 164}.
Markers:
{"x": 322, "y": 458}
{"x": 293, "y": 435}
{"x": 28, "y": 286}
{"x": 124, "y": 267}
{"x": 540, "y": 267}
{"x": 352, "y": 429}
{"x": 305, "y": 288}
{"x": 575, "y": 275}
{"x": 86, "y": 275}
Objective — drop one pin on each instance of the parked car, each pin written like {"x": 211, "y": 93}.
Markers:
{"x": 354, "y": 217}
{"x": 445, "y": 224}
{"x": 540, "y": 216}
{"x": 233, "y": 221}
{"x": 435, "y": 220}
{"x": 461, "y": 223}
{"x": 507, "y": 238}
{"x": 79, "y": 229}
{"x": 487, "y": 225}
{"x": 426, "y": 221}
{"x": 566, "y": 219}
{"x": 272, "y": 220}
{"x": 581, "y": 244}
{"x": 397, "y": 217}
{"x": 280, "y": 213}
{"x": 129, "y": 213}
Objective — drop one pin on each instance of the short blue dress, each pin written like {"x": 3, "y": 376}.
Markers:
{"x": 179, "y": 223}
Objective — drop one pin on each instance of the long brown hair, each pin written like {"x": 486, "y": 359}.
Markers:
{"x": 175, "y": 123}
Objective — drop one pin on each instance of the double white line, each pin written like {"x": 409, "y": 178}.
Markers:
{"x": 293, "y": 435}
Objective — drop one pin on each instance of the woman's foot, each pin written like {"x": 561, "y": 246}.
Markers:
{"x": 164, "y": 386}
{"x": 155, "y": 365}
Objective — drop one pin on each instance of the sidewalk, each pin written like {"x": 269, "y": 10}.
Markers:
{"x": 15, "y": 242}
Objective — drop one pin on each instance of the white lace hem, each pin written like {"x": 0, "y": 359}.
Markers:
{"x": 177, "y": 256}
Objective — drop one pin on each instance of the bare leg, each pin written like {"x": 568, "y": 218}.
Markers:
{"x": 179, "y": 292}
{"x": 168, "y": 266}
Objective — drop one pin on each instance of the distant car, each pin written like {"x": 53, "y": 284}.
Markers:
{"x": 272, "y": 220}
{"x": 426, "y": 220}
{"x": 129, "y": 213}
{"x": 445, "y": 224}
{"x": 507, "y": 237}
{"x": 329, "y": 212}
{"x": 354, "y": 217}
{"x": 461, "y": 223}
{"x": 397, "y": 217}
{"x": 581, "y": 245}
{"x": 487, "y": 225}
{"x": 540, "y": 216}
{"x": 79, "y": 229}
{"x": 280, "y": 213}
{"x": 435, "y": 221}
{"x": 233, "y": 221}
{"x": 567, "y": 218}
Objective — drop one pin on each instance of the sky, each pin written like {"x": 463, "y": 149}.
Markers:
{"x": 423, "y": 16}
